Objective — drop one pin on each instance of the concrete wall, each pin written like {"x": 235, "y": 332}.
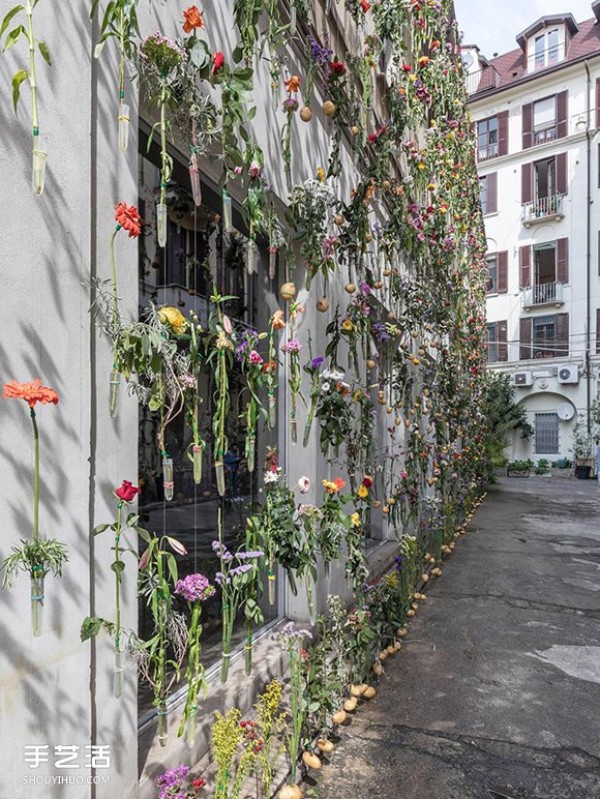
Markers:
{"x": 53, "y": 689}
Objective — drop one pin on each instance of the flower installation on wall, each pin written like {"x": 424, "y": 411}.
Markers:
{"x": 386, "y": 237}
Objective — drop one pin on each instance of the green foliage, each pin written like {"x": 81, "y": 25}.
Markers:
{"x": 38, "y": 557}
{"x": 502, "y": 415}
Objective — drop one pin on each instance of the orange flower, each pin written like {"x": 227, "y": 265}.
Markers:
{"x": 292, "y": 84}
{"x": 269, "y": 366}
{"x": 128, "y": 218}
{"x": 30, "y": 392}
{"x": 193, "y": 19}
{"x": 277, "y": 320}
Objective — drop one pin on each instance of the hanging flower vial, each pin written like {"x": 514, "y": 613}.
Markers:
{"x": 159, "y": 59}
{"x": 37, "y": 556}
{"x": 12, "y": 36}
{"x": 195, "y": 589}
{"x": 128, "y": 219}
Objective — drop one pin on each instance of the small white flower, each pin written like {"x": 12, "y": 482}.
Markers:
{"x": 271, "y": 477}
{"x": 326, "y": 387}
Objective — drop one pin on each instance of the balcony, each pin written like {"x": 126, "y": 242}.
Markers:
{"x": 542, "y": 210}
{"x": 481, "y": 80}
{"x": 543, "y": 294}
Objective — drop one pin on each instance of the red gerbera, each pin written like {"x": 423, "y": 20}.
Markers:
{"x": 128, "y": 218}
{"x": 338, "y": 67}
{"x": 30, "y": 392}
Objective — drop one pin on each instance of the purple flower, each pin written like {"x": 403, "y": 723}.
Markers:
{"x": 221, "y": 550}
{"x": 293, "y": 345}
{"x": 316, "y": 362}
{"x": 398, "y": 562}
{"x": 365, "y": 289}
{"x": 319, "y": 54}
{"x": 380, "y": 333}
{"x": 195, "y": 588}
{"x": 290, "y": 104}
{"x": 237, "y": 570}
{"x": 250, "y": 555}
{"x": 171, "y": 781}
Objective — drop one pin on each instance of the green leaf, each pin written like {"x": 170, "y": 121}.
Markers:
{"x": 43, "y": 48}
{"x": 17, "y": 80}
{"x": 90, "y": 627}
{"x": 144, "y": 534}
{"x": 13, "y": 36}
{"x": 7, "y": 19}
{"x": 100, "y": 528}
{"x": 99, "y": 48}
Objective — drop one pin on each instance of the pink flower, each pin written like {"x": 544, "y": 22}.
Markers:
{"x": 254, "y": 357}
{"x": 254, "y": 169}
{"x": 303, "y": 485}
{"x": 227, "y": 324}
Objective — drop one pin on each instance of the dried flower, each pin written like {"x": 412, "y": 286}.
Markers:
{"x": 292, "y": 84}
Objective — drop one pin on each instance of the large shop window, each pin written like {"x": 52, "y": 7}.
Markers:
{"x": 198, "y": 256}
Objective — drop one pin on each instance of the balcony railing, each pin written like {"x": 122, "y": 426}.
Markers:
{"x": 481, "y": 80}
{"x": 543, "y": 208}
{"x": 545, "y": 134}
{"x": 543, "y": 294}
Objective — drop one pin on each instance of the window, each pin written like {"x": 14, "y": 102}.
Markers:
{"x": 544, "y": 120}
{"x": 488, "y": 185}
{"x": 546, "y": 49}
{"x": 497, "y": 344}
{"x": 492, "y": 268}
{"x": 487, "y": 138}
{"x": 544, "y": 337}
{"x": 483, "y": 189}
{"x": 492, "y": 343}
{"x": 546, "y": 433}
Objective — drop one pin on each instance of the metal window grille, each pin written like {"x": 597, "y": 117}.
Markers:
{"x": 492, "y": 353}
{"x": 546, "y": 433}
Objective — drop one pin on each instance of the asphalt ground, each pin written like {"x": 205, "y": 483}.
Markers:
{"x": 496, "y": 692}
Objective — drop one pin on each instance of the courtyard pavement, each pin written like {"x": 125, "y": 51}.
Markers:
{"x": 496, "y": 691}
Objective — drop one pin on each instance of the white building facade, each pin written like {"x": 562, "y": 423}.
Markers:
{"x": 536, "y": 114}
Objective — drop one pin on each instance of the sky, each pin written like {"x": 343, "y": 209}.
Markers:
{"x": 493, "y": 26}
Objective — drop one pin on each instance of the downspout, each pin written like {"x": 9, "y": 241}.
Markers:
{"x": 588, "y": 255}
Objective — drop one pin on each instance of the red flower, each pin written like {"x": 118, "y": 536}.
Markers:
{"x": 218, "y": 59}
{"x": 367, "y": 481}
{"x": 199, "y": 783}
{"x": 128, "y": 218}
{"x": 338, "y": 67}
{"x": 365, "y": 5}
{"x": 193, "y": 19}
{"x": 127, "y": 492}
{"x": 30, "y": 392}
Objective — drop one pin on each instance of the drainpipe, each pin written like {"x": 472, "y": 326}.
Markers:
{"x": 588, "y": 255}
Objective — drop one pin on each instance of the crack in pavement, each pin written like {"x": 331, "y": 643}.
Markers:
{"x": 570, "y": 759}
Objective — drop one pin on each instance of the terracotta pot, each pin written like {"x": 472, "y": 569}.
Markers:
{"x": 311, "y": 760}
{"x": 290, "y": 792}
{"x": 287, "y": 291}
{"x": 329, "y": 108}
{"x": 305, "y": 114}
{"x": 323, "y": 305}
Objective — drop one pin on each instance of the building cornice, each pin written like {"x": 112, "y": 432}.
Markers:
{"x": 520, "y": 156}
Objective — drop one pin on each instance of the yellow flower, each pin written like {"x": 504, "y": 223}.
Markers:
{"x": 320, "y": 174}
{"x": 174, "y": 318}
{"x": 347, "y": 326}
{"x": 363, "y": 492}
{"x": 357, "y": 395}
{"x": 355, "y": 519}
{"x": 223, "y": 343}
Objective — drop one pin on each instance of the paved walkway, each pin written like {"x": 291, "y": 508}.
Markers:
{"x": 498, "y": 683}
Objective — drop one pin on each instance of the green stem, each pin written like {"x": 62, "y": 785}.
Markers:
{"x": 32, "y": 79}
{"x": 118, "y": 580}
{"x": 164, "y": 171}
{"x": 36, "y": 476}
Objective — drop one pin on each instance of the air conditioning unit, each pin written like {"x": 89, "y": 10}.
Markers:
{"x": 568, "y": 374}
{"x": 522, "y": 379}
